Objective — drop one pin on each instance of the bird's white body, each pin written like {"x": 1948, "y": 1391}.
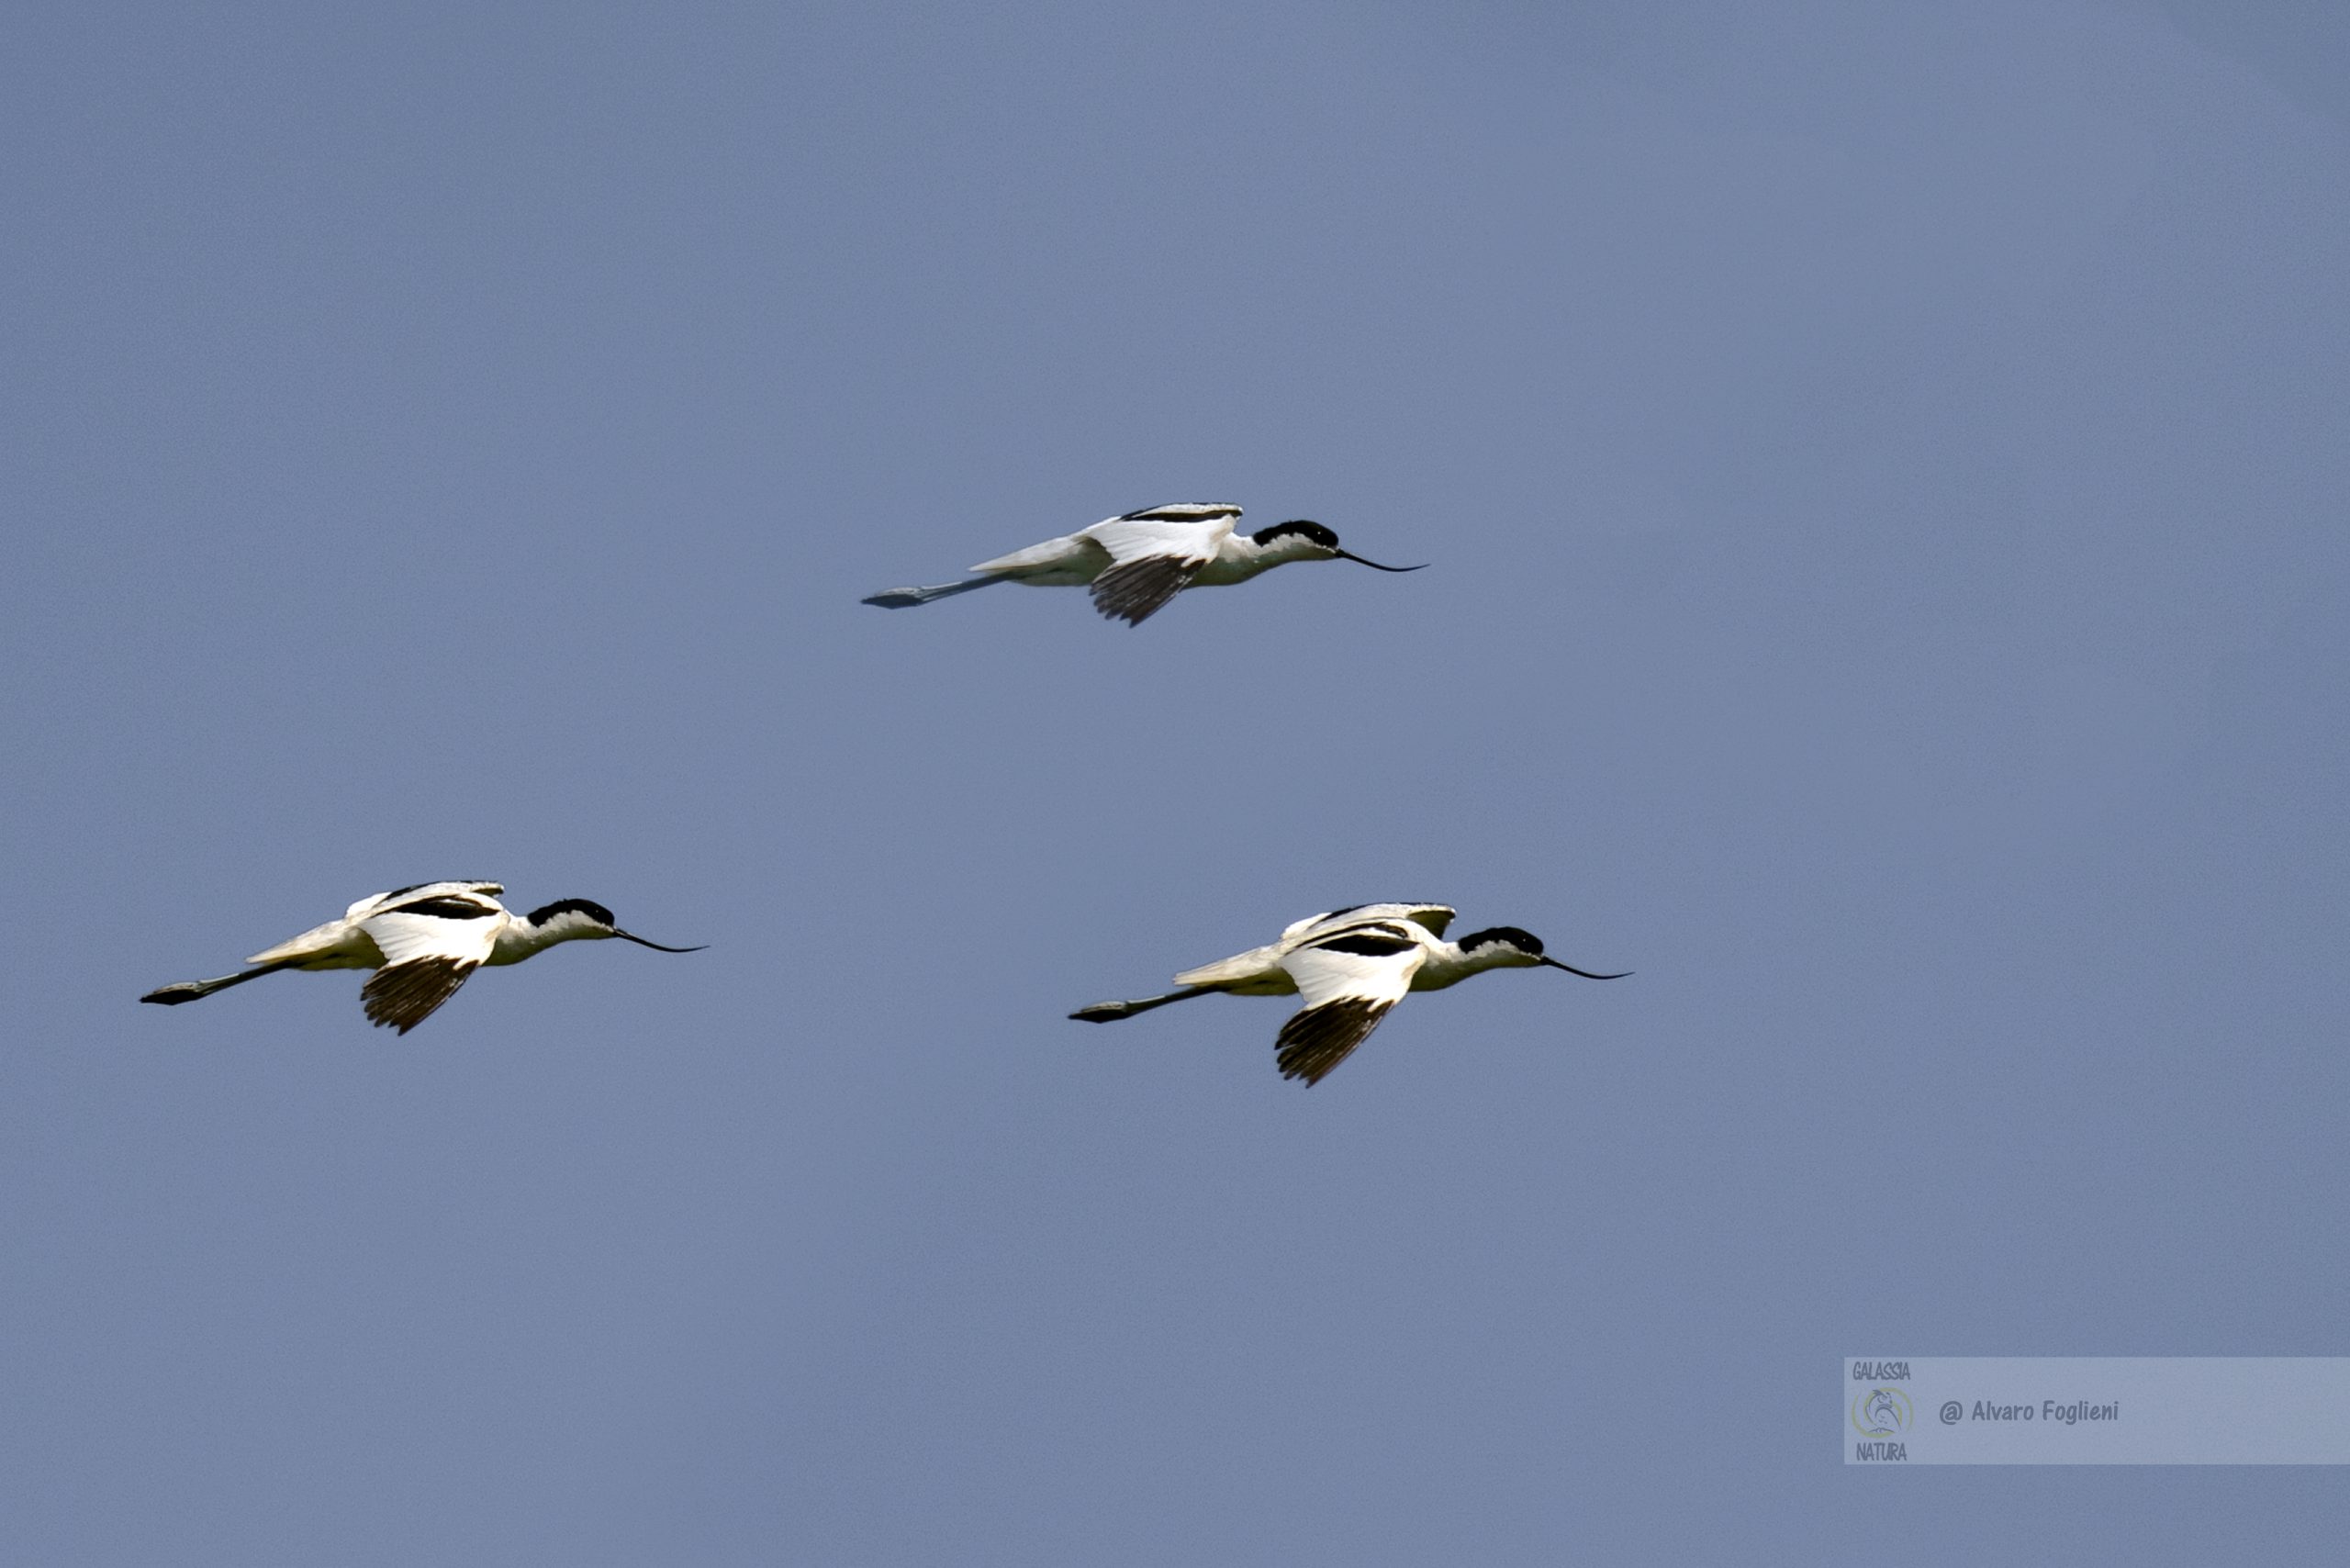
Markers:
{"x": 1137, "y": 562}
{"x": 1224, "y": 558}
{"x": 1350, "y": 967}
{"x": 373, "y": 933}
{"x": 1262, "y": 971}
{"x": 423, "y": 942}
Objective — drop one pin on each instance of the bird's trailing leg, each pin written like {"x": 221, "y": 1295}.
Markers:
{"x": 905, "y": 598}
{"x": 1108, "y": 1012}
{"x": 192, "y": 990}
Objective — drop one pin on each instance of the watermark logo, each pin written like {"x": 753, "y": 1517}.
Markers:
{"x": 2096, "y": 1410}
{"x": 1881, "y": 1413}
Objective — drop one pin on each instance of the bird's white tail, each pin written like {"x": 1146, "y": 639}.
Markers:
{"x": 900, "y": 598}
{"x": 1257, "y": 963}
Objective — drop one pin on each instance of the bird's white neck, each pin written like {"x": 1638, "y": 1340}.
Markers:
{"x": 521, "y": 938}
{"x": 1448, "y": 964}
{"x": 1239, "y": 557}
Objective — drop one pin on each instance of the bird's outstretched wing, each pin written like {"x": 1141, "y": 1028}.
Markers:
{"x": 1347, "y": 980}
{"x": 1435, "y": 916}
{"x": 400, "y": 897}
{"x": 430, "y": 943}
{"x": 1154, "y": 555}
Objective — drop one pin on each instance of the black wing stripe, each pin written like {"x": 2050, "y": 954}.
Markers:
{"x": 446, "y": 907}
{"x": 1182, "y": 511}
{"x": 1370, "y": 942}
{"x": 1314, "y": 1041}
{"x": 476, "y": 885}
{"x": 401, "y": 996}
{"x": 1133, "y": 590}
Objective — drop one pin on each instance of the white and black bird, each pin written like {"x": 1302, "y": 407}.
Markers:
{"x": 1137, "y": 563}
{"x": 422, "y": 942}
{"x": 1350, "y": 966}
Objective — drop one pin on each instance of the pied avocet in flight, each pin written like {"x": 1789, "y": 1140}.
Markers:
{"x": 1350, "y": 966}
{"x": 422, "y": 942}
{"x": 1137, "y": 563}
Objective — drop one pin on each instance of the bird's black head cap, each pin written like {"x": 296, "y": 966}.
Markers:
{"x": 588, "y": 907}
{"x": 1313, "y": 532}
{"x": 1524, "y": 941}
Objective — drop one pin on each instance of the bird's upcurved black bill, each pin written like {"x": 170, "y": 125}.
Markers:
{"x": 655, "y": 945}
{"x": 1586, "y": 973}
{"x": 1350, "y": 555}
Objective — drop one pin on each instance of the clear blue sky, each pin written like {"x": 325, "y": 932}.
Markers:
{"x": 1885, "y": 471}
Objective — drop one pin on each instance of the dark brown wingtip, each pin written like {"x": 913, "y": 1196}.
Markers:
{"x": 401, "y": 996}
{"x": 1313, "y": 1043}
{"x": 1133, "y": 591}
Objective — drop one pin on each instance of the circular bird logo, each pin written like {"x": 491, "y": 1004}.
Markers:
{"x": 1881, "y": 1413}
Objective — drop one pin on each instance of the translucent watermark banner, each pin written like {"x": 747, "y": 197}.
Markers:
{"x": 2097, "y": 1410}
